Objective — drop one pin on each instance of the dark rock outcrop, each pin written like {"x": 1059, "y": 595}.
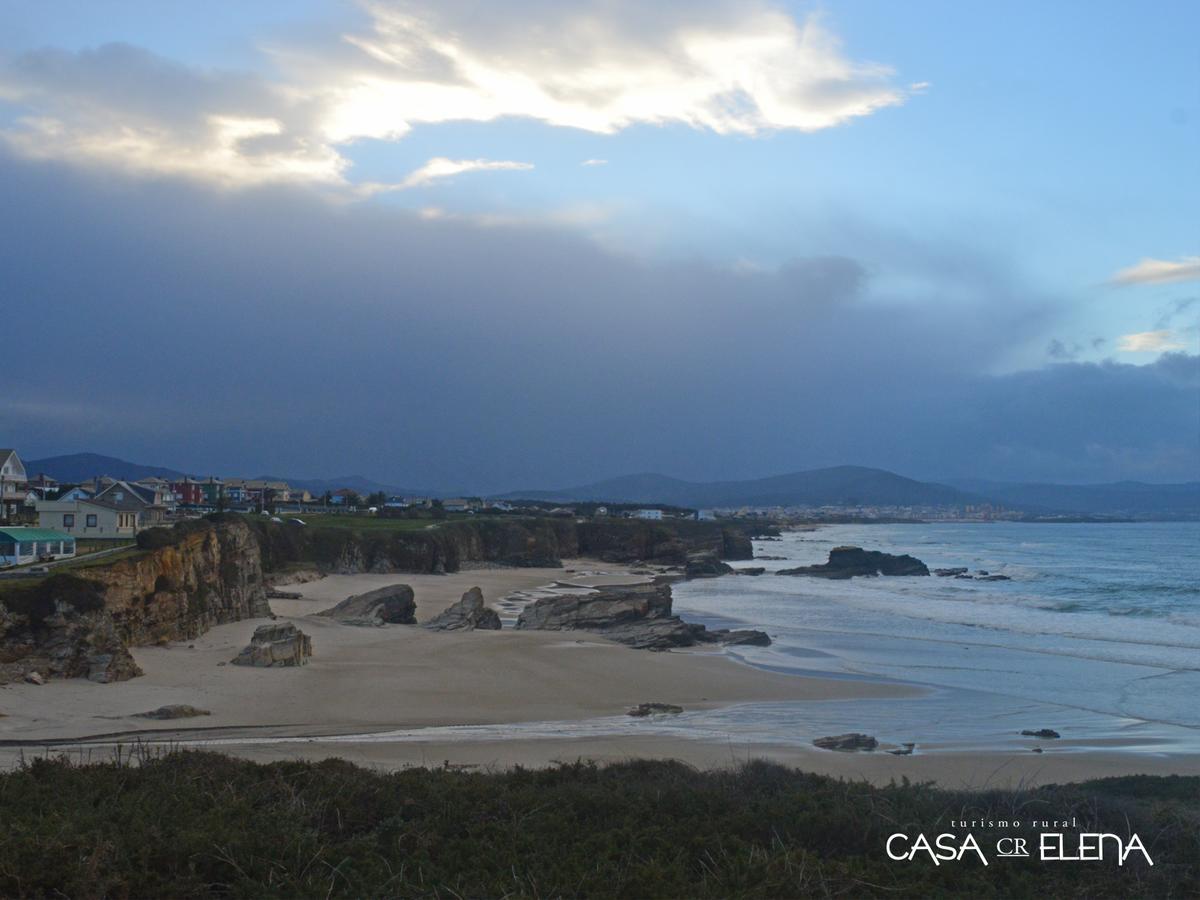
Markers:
{"x": 390, "y": 605}
{"x": 276, "y": 644}
{"x": 61, "y": 628}
{"x": 467, "y": 614}
{"x": 654, "y": 709}
{"x": 1044, "y": 733}
{"x": 636, "y": 615}
{"x": 847, "y": 743}
{"x": 847, "y": 562}
{"x": 946, "y": 573}
{"x": 750, "y": 570}
{"x": 745, "y": 636}
{"x": 705, "y": 564}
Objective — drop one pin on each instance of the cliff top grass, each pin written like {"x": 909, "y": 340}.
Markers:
{"x": 376, "y": 523}
{"x": 196, "y": 824}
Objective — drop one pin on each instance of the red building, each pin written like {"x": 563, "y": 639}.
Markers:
{"x": 188, "y": 492}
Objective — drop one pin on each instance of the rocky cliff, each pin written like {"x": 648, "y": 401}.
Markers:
{"x": 186, "y": 579}
{"x": 183, "y": 582}
{"x": 513, "y": 542}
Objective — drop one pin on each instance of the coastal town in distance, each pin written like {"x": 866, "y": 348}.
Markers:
{"x": 105, "y": 508}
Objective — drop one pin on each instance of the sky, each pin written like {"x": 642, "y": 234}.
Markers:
{"x": 501, "y": 246}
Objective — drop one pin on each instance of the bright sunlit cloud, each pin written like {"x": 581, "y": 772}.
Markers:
{"x": 730, "y": 68}
{"x": 1149, "y": 342}
{"x": 1160, "y": 271}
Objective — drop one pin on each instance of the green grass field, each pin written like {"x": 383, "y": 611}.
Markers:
{"x": 376, "y": 523}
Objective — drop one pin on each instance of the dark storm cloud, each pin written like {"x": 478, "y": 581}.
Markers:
{"x": 272, "y": 330}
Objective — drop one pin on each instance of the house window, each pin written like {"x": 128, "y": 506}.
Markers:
{"x": 26, "y": 548}
{"x": 68, "y": 520}
{"x": 91, "y": 520}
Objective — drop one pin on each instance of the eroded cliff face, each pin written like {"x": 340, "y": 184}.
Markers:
{"x": 511, "y": 541}
{"x": 82, "y": 625}
{"x": 209, "y": 575}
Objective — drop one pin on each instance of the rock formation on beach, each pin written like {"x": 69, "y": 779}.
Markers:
{"x": 847, "y": 743}
{"x": 276, "y": 644}
{"x": 654, "y": 709}
{"x": 390, "y": 605}
{"x": 847, "y": 562}
{"x": 636, "y": 615}
{"x": 174, "y": 711}
{"x": 468, "y": 614}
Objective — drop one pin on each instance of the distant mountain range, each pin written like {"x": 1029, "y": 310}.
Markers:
{"x": 1128, "y": 498}
{"x": 842, "y": 485}
{"x": 77, "y": 467}
{"x": 837, "y": 486}
{"x": 853, "y": 485}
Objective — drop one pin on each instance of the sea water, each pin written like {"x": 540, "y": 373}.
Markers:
{"x": 1096, "y": 635}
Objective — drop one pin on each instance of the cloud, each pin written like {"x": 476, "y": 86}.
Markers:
{"x": 493, "y": 356}
{"x": 1159, "y": 271}
{"x": 122, "y": 107}
{"x": 438, "y": 169}
{"x": 732, "y": 68}
{"x": 1149, "y": 342}
{"x": 594, "y": 162}
{"x": 599, "y": 65}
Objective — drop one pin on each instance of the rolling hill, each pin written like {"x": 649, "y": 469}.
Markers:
{"x": 841, "y": 485}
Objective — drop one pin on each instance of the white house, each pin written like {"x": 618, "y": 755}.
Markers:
{"x": 12, "y": 482}
{"x": 648, "y": 514}
{"x": 19, "y": 546}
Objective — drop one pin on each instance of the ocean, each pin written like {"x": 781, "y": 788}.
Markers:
{"x": 1097, "y": 635}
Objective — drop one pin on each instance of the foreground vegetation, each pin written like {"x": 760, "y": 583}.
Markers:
{"x": 192, "y": 824}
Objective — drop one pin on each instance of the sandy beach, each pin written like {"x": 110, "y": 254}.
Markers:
{"x": 367, "y": 681}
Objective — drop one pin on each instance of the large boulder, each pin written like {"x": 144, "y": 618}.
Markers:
{"x": 391, "y": 605}
{"x": 636, "y": 615}
{"x": 847, "y": 743}
{"x": 847, "y": 562}
{"x": 467, "y": 614}
{"x": 705, "y": 564}
{"x": 276, "y": 644}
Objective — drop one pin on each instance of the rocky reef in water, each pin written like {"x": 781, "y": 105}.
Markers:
{"x": 849, "y": 562}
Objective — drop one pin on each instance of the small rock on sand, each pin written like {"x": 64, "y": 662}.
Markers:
{"x": 174, "y": 711}
{"x": 1045, "y": 733}
{"x": 654, "y": 709}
